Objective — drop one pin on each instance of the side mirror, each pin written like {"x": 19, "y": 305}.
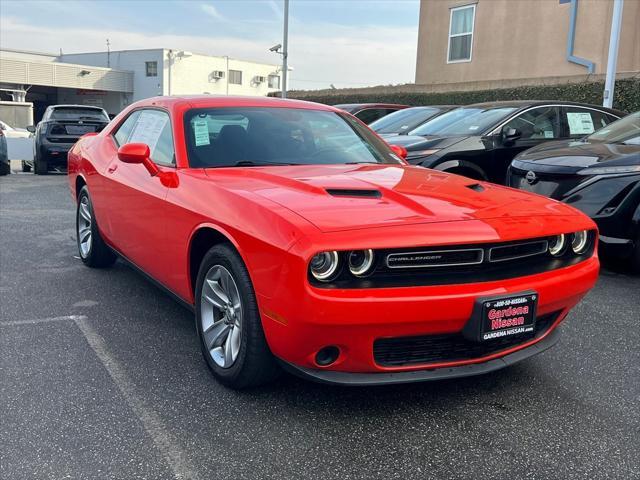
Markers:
{"x": 399, "y": 150}
{"x": 31, "y": 129}
{"x": 138, "y": 153}
{"x": 510, "y": 135}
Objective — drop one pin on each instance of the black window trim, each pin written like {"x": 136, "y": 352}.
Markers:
{"x": 496, "y": 130}
{"x": 112, "y": 134}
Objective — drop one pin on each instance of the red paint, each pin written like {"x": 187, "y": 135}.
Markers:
{"x": 279, "y": 217}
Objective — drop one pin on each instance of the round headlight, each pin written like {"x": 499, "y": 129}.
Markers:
{"x": 361, "y": 262}
{"x": 324, "y": 265}
{"x": 580, "y": 242}
{"x": 557, "y": 245}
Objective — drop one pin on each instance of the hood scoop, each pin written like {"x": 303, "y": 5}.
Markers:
{"x": 476, "y": 187}
{"x": 354, "y": 192}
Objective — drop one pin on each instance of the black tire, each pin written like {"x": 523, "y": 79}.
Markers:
{"x": 255, "y": 364}
{"x": 98, "y": 254}
{"x": 5, "y": 168}
{"x": 40, "y": 166}
{"x": 635, "y": 257}
{"x": 26, "y": 167}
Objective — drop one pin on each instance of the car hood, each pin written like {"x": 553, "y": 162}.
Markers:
{"x": 415, "y": 142}
{"x": 348, "y": 197}
{"x": 580, "y": 154}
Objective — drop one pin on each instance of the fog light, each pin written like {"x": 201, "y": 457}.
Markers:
{"x": 557, "y": 245}
{"x": 327, "y": 355}
{"x": 324, "y": 266}
{"x": 580, "y": 242}
{"x": 361, "y": 262}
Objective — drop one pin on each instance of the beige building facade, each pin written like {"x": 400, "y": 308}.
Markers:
{"x": 521, "y": 41}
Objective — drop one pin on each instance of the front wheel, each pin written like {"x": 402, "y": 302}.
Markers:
{"x": 40, "y": 166}
{"x": 93, "y": 251}
{"x": 228, "y": 322}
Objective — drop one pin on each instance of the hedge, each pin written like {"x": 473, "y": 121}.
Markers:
{"x": 626, "y": 98}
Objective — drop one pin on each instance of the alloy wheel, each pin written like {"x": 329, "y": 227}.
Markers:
{"x": 84, "y": 227}
{"x": 221, "y": 316}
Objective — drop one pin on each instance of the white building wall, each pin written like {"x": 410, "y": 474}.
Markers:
{"x": 132, "y": 60}
{"x": 194, "y": 75}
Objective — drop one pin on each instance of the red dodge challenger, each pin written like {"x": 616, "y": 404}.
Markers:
{"x": 301, "y": 239}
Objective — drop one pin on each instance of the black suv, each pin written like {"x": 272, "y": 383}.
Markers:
{"x": 61, "y": 126}
{"x": 479, "y": 141}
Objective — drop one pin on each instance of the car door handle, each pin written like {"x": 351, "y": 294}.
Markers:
{"x": 112, "y": 168}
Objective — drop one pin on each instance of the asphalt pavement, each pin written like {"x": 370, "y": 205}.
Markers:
{"x": 101, "y": 376}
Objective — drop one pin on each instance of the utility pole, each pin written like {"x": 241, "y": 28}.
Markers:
{"x": 108, "y": 54}
{"x": 285, "y": 48}
{"x": 614, "y": 40}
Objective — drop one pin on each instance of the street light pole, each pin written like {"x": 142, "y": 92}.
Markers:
{"x": 614, "y": 40}
{"x": 285, "y": 48}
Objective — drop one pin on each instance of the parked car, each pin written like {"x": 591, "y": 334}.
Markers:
{"x": 5, "y": 165}
{"x": 10, "y": 132}
{"x": 370, "y": 112}
{"x": 403, "y": 121}
{"x": 61, "y": 126}
{"x": 479, "y": 141}
{"x": 296, "y": 234}
{"x": 598, "y": 174}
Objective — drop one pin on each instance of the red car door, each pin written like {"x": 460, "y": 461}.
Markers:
{"x": 137, "y": 199}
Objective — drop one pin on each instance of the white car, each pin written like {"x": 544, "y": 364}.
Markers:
{"x": 11, "y": 132}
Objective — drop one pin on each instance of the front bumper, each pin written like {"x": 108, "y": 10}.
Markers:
{"x": 354, "y": 319}
{"x": 443, "y": 373}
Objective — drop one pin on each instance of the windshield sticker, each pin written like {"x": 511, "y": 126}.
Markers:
{"x": 201, "y": 132}
{"x": 548, "y": 134}
{"x": 474, "y": 127}
{"x": 580, "y": 123}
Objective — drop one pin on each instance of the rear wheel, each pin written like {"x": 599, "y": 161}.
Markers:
{"x": 40, "y": 166}
{"x": 93, "y": 251}
{"x": 228, "y": 322}
{"x": 635, "y": 257}
{"x": 5, "y": 168}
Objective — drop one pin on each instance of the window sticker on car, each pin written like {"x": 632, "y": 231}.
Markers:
{"x": 580, "y": 123}
{"x": 548, "y": 134}
{"x": 148, "y": 129}
{"x": 201, "y": 132}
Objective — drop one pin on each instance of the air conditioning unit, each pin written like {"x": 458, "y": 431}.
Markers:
{"x": 216, "y": 75}
{"x": 259, "y": 79}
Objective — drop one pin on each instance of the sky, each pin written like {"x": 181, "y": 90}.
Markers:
{"x": 348, "y": 43}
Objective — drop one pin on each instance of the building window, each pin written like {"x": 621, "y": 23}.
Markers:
{"x": 235, "y": 77}
{"x": 151, "y": 68}
{"x": 274, "y": 81}
{"x": 461, "y": 22}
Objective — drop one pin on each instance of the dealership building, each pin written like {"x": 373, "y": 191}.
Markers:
{"x": 115, "y": 79}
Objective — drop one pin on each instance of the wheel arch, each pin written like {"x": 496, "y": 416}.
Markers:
{"x": 461, "y": 165}
{"x": 202, "y": 239}
{"x": 80, "y": 182}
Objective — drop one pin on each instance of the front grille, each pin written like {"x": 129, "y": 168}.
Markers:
{"x": 451, "y": 347}
{"x": 435, "y": 258}
{"x": 518, "y": 250}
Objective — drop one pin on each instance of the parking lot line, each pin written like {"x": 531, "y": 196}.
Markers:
{"x": 42, "y": 320}
{"x": 163, "y": 440}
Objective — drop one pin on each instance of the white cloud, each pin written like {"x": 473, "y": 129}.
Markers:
{"x": 320, "y": 54}
{"x": 212, "y": 11}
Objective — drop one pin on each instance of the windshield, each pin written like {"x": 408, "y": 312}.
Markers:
{"x": 464, "y": 121}
{"x": 79, "y": 113}
{"x": 626, "y": 130}
{"x": 403, "y": 120}
{"x": 224, "y": 137}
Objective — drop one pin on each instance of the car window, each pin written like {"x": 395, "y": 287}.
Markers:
{"x": 153, "y": 128}
{"x": 124, "y": 130}
{"x": 369, "y": 115}
{"x": 402, "y": 120}
{"x": 225, "y": 136}
{"x": 584, "y": 121}
{"x": 76, "y": 113}
{"x": 464, "y": 121}
{"x": 542, "y": 123}
{"x": 626, "y": 131}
